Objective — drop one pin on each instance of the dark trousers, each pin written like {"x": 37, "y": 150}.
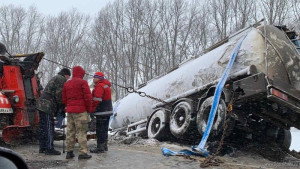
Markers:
{"x": 102, "y": 129}
{"x": 60, "y": 118}
{"x": 46, "y": 131}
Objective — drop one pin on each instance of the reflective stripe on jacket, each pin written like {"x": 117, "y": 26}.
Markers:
{"x": 101, "y": 94}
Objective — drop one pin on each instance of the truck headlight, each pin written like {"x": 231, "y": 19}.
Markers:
{"x": 16, "y": 98}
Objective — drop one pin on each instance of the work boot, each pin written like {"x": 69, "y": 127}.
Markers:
{"x": 99, "y": 149}
{"x": 84, "y": 156}
{"x": 70, "y": 155}
{"x": 42, "y": 150}
{"x": 52, "y": 152}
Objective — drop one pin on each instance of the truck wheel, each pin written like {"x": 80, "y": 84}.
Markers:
{"x": 181, "y": 119}
{"x": 5, "y": 120}
{"x": 284, "y": 138}
{"x": 203, "y": 114}
{"x": 157, "y": 127}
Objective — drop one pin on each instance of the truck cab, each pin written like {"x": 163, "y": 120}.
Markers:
{"x": 20, "y": 90}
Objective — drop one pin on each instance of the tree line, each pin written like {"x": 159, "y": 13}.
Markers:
{"x": 133, "y": 41}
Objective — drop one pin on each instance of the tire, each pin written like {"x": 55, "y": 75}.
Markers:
{"x": 284, "y": 138}
{"x": 5, "y": 120}
{"x": 203, "y": 114}
{"x": 157, "y": 125}
{"x": 181, "y": 121}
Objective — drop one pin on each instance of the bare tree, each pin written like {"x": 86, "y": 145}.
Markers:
{"x": 275, "y": 11}
{"x": 108, "y": 37}
{"x": 243, "y": 11}
{"x": 132, "y": 41}
{"x": 65, "y": 37}
{"x": 296, "y": 13}
{"x": 33, "y": 31}
{"x": 20, "y": 30}
{"x": 11, "y": 20}
{"x": 199, "y": 35}
{"x": 220, "y": 12}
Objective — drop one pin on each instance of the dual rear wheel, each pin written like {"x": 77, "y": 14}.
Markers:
{"x": 183, "y": 123}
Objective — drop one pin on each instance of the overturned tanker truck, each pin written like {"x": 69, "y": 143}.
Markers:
{"x": 266, "y": 73}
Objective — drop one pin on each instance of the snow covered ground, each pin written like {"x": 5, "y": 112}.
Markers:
{"x": 295, "y": 139}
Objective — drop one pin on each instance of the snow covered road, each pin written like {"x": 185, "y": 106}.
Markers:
{"x": 144, "y": 155}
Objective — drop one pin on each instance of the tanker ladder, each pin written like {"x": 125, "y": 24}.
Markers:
{"x": 134, "y": 128}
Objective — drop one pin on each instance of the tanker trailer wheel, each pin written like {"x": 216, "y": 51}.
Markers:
{"x": 220, "y": 117}
{"x": 156, "y": 127}
{"x": 284, "y": 138}
{"x": 181, "y": 122}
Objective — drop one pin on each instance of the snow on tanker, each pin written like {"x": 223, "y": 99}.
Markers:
{"x": 266, "y": 73}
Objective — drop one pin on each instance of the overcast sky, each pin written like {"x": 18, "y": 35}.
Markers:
{"x": 56, "y": 6}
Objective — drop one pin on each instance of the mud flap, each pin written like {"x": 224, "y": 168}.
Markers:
{"x": 14, "y": 133}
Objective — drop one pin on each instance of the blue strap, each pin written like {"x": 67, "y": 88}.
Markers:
{"x": 297, "y": 43}
{"x": 218, "y": 93}
{"x": 168, "y": 152}
{"x": 114, "y": 112}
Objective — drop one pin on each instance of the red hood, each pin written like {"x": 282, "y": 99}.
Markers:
{"x": 78, "y": 72}
{"x": 105, "y": 81}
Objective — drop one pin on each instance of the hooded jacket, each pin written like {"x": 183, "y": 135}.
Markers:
{"x": 51, "y": 98}
{"x": 76, "y": 93}
{"x": 102, "y": 104}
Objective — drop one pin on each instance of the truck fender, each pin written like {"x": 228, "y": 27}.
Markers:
{"x": 226, "y": 95}
{"x": 182, "y": 99}
{"x": 155, "y": 110}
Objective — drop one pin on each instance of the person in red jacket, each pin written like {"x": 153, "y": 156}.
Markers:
{"x": 77, "y": 99}
{"x": 102, "y": 109}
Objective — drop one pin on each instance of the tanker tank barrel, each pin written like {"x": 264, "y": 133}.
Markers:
{"x": 250, "y": 70}
{"x": 262, "y": 62}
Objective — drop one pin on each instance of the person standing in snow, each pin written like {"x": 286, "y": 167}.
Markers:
{"x": 102, "y": 109}
{"x": 49, "y": 103}
{"x": 78, "y": 98}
